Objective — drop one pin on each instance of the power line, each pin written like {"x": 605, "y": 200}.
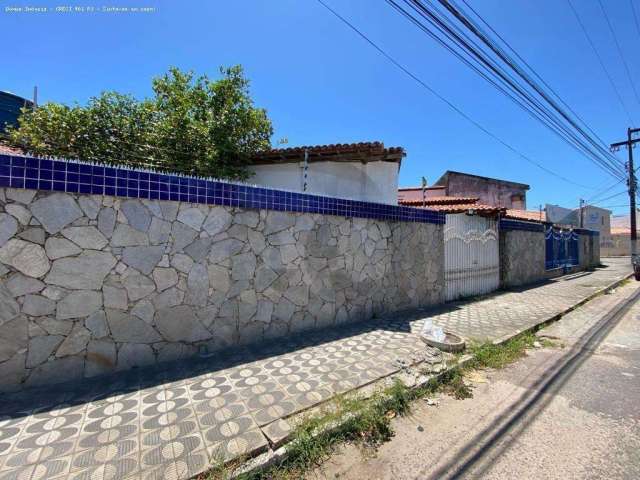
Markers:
{"x": 532, "y": 107}
{"x": 602, "y": 192}
{"x": 624, "y": 62}
{"x": 635, "y": 16}
{"x": 477, "y": 30}
{"x": 604, "y": 68}
{"x": 442, "y": 98}
{"x": 573, "y": 135}
{"x": 533, "y": 71}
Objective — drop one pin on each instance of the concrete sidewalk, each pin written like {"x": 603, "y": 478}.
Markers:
{"x": 174, "y": 422}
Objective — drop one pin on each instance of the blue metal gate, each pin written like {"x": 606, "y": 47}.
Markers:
{"x": 561, "y": 248}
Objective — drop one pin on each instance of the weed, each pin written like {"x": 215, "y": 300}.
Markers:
{"x": 367, "y": 421}
{"x": 488, "y": 355}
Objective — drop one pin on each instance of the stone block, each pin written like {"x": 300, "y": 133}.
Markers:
{"x": 107, "y": 221}
{"x": 127, "y": 328}
{"x": 38, "y": 306}
{"x": 85, "y": 237}
{"x": 96, "y": 323}
{"x": 138, "y": 286}
{"x": 101, "y": 358}
{"x": 19, "y": 285}
{"x": 86, "y": 271}
{"x": 56, "y": 211}
{"x": 143, "y": 259}
{"x": 14, "y": 337}
{"x": 25, "y": 257}
{"x": 180, "y": 324}
{"x": 41, "y": 348}
{"x": 126, "y": 236}
{"x": 137, "y": 214}
{"x": 217, "y": 221}
{"x": 134, "y": 355}
{"x": 60, "y": 247}
{"x": 19, "y": 212}
{"x": 80, "y": 303}
{"x": 192, "y": 217}
{"x": 8, "y": 228}
{"x": 115, "y": 297}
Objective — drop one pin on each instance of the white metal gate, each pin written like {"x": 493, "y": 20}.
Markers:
{"x": 471, "y": 260}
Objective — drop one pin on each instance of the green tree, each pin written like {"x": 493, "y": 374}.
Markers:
{"x": 192, "y": 125}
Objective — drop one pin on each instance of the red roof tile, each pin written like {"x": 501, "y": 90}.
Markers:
{"x": 528, "y": 215}
{"x": 441, "y": 200}
{"x": 363, "y": 152}
{"x": 465, "y": 207}
{"x": 7, "y": 150}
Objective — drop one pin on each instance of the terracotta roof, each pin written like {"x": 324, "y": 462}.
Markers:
{"x": 441, "y": 200}
{"x": 346, "y": 152}
{"x": 7, "y": 150}
{"x": 528, "y": 215}
{"x": 465, "y": 207}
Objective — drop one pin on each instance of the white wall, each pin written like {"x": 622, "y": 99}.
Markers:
{"x": 372, "y": 182}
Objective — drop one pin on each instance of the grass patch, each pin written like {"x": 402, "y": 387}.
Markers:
{"x": 488, "y": 355}
{"x": 367, "y": 421}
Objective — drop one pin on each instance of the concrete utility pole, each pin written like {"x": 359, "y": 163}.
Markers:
{"x": 631, "y": 181}
{"x": 581, "y": 213}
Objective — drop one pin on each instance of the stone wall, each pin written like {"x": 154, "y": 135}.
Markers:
{"x": 92, "y": 284}
{"x": 522, "y": 256}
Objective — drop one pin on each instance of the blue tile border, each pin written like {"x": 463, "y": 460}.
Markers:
{"x": 75, "y": 177}
{"x": 507, "y": 224}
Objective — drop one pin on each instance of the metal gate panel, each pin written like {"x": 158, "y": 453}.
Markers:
{"x": 471, "y": 256}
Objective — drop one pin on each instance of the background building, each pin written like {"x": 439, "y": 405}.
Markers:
{"x": 10, "y": 106}
{"x": 489, "y": 191}
{"x": 358, "y": 171}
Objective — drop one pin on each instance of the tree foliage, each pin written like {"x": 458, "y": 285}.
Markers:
{"x": 192, "y": 125}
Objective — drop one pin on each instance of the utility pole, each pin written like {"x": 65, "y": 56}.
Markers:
{"x": 581, "y": 213}
{"x": 631, "y": 181}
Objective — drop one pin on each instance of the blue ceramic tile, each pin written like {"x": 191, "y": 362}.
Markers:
{"x": 5, "y": 182}
{"x": 17, "y": 182}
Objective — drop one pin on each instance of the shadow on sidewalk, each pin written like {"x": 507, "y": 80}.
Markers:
{"x": 477, "y": 454}
{"x": 48, "y": 397}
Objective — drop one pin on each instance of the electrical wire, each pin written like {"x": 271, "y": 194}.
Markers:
{"x": 624, "y": 62}
{"x": 604, "y": 68}
{"x": 635, "y": 16}
{"x": 600, "y": 155}
{"x": 532, "y": 106}
{"x": 452, "y": 106}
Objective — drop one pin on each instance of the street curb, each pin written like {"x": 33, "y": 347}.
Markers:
{"x": 558, "y": 316}
{"x": 260, "y": 460}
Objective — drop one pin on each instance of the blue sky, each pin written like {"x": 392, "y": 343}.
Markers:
{"x": 322, "y": 84}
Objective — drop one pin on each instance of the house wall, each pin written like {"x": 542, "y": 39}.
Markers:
{"x": 370, "y": 182}
{"x": 588, "y": 249}
{"x": 90, "y": 284}
{"x": 522, "y": 254}
{"x": 489, "y": 192}
{"x": 618, "y": 245}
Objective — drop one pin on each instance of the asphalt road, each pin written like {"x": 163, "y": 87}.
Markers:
{"x": 568, "y": 412}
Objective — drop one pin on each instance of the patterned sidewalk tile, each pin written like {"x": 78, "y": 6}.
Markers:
{"x": 176, "y": 421}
